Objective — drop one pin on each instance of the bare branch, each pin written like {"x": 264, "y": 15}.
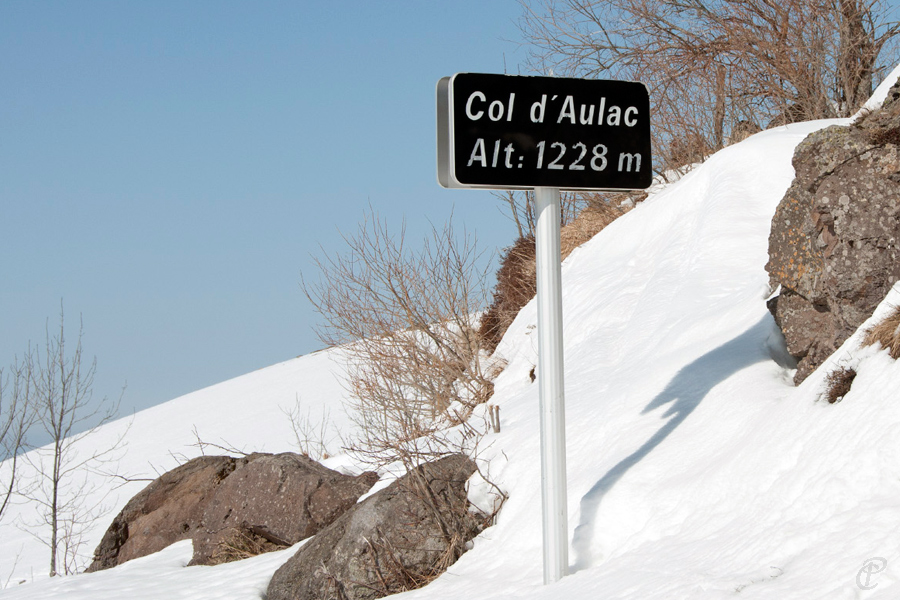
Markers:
{"x": 715, "y": 67}
{"x": 407, "y": 324}
{"x": 16, "y": 417}
{"x": 60, "y": 385}
{"x": 312, "y": 437}
{"x": 225, "y": 447}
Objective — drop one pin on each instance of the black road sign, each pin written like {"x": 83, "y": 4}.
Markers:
{"x": 513, "y": 132}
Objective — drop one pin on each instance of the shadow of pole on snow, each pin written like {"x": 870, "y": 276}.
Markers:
{"x": 689, "y": 386}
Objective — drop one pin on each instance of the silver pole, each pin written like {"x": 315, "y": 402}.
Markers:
{"x": 550, "y": 380}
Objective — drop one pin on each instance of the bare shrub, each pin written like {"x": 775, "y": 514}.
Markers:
{"x": 838, "y": 383}
{"x": 716, "y": 68}
{"x": 406, "y": 322}
{"x": 886, "y": 333}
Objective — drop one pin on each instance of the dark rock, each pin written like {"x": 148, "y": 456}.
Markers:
{"x": 230, "y": 508}
{"x": 396, "y": 540}
{"x": 168, "y": 510}
{"x": 833, "y": 246}
{"x": 275, "y": 501}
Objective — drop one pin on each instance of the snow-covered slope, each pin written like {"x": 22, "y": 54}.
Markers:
{"x": 248, "y": 413}
{"x": 695, "y": 468}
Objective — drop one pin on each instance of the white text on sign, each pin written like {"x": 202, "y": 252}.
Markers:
{"x": 512, "y": 159}
{"x": 497, "y": 111}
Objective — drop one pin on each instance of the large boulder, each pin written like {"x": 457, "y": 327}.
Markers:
{"x": 231, "y": 508}
{"x": 833, "y": 247}
{"x": 397, "y": 539}
{"x": 168, "y": 510}
{"x": 274, "y": 501}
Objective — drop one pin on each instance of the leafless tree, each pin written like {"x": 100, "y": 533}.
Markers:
{"x": 407, "y": 323}
{"x": 718, "y": 69}
{"x": 62, "y": 392}
{"x": 15, "y": 418}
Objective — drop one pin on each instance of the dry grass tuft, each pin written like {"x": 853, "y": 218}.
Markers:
{"x": 241, "y": 543}
{"x": 839, "y": 383}
{"x": 394, "y": 576}
{"x": 516, "y": 283}
{"x": 592, "y": 220}
{"x": 883, "y": 137}
{"x": 886, "y": 333}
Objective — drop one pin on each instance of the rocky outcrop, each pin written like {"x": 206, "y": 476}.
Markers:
{"x": 398, "y": 539}
{"x": 833, "y": 247}
{"x": 168, "y": 510}
{"x": 231, "y": 508}
{"x": 274, "y": 501}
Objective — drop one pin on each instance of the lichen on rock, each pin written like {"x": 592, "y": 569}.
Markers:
{"x": 833, "y": 246}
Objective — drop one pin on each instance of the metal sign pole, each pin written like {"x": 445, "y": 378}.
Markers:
{"x": 550, "y": 380}
{"x": 507, "y": 132}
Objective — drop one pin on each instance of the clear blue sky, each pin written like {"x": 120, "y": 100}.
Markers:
{"x": 167, "y": 169}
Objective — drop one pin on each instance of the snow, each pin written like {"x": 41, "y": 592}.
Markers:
{"x": 247, "y": 413}
{"x": 695, "y": 467}
{"x": 163, "y": 575}
{"x": 880, "y": 93}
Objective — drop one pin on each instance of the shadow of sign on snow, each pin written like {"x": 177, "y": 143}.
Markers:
{"x": 690, "y": 385}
